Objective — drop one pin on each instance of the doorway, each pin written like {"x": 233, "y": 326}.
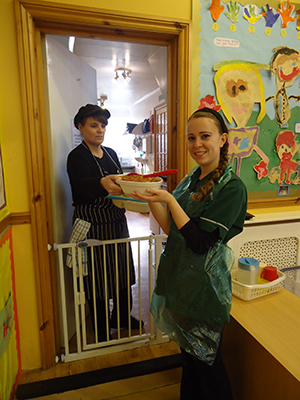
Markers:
{"x": 33, "y": 20}
{"x": 86, "y": 74}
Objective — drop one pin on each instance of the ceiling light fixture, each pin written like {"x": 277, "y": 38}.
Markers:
{"x": 126, "y": 74}
{"x": 102, "y": 99}
{"x": 115, "y": 78}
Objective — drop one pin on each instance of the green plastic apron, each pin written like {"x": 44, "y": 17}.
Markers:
{"x": 192, "y": 297}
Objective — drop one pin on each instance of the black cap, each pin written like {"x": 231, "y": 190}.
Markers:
{"x": 87, "y": 110}
{"x": 216, "y": 114}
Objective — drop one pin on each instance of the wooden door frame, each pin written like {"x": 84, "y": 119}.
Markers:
{"x": 33, "y": 18}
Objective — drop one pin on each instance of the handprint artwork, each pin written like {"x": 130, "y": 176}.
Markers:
{"x": 216, "y": 9}
{"x": 233, "y": 11}
{"x": 270, "y": 18}
{"x": 285, "y": 12}
{"x": 250, "y": 14}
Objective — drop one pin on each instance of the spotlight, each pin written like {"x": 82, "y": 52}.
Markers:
{"x": 128, "y": 78}
{"x": 126, "y": 74}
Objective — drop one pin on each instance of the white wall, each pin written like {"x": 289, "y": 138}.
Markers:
{"x": 116, "y": 136}
{"x": 71, "y": 84}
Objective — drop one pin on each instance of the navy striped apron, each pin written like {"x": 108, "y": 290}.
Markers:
{"x": 107, "y": 222}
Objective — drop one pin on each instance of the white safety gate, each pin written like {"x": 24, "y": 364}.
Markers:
{"x": 146, "y": 253}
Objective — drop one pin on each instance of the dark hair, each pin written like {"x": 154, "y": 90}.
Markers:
{"x": 282, "y": 50}
{"x": 98, "y": 116}
{"x": 91, "y": 110}
{"x": 222, "y": 128}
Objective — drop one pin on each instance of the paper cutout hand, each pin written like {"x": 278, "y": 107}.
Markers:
{"x": 285, "y": 13}
{"x": 216, "y": 9}
{"x": 233, "y": 14}
{"x": 269, "y": 16}
{"x": 251, "y": 18}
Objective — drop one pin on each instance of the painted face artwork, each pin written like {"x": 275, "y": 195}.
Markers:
{"x": 204, "y": 143}
{"x": 286, "y": 147}
{"x": 285, "y": 64}
{"x": 288, "y": 69}
{"x": 93, "y": 132}
{"x": 240, "y": 95}
{"x": 238, "y": 87}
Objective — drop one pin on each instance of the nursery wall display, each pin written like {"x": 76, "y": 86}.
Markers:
{"x": 3, "y": 203}
{"x": 10, "y": 363}
{"x": 3, "y": 206}
{"x": 249, "y": 70}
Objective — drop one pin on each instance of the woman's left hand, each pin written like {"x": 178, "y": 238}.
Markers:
{"x": 108, "y": 182}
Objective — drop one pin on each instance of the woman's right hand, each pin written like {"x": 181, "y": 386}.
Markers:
{"x": 109, "y": 184}
{"x": 154, "y": 196}
{"x": 161, "y": 214}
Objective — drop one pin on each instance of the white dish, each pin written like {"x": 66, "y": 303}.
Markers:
{"x": 141, "y": 207}
{"x": 129, "y": 187}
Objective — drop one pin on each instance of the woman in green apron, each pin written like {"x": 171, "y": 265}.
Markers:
{"x": 192, "y": 297}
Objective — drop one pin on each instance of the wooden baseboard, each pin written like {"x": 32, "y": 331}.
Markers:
{"x": 15, "y": 219}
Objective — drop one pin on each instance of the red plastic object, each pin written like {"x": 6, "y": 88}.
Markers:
{"x": 160, "y": 173}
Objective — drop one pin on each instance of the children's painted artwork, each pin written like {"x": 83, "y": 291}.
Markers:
{"x": 249, "y": 69}
{"x": 10, "y": 363}
{"x": 2, "y": 188}
{"x": 3, "y": 205}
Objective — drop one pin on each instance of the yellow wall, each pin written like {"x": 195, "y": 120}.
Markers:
{"x": 173, "y": 9}
{"x": 14, "y": 163}
{"x": 14, "y": 154}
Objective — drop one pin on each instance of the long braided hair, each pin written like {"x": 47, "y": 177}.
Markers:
{"x": 219, "y": 122}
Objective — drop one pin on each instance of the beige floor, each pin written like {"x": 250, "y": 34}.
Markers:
{"x": 159, "y": 386}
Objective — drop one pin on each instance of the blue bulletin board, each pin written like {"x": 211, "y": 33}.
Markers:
{"x": 249, "y": 70}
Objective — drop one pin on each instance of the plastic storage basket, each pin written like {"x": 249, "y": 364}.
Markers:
{"x": 249, "y": 292}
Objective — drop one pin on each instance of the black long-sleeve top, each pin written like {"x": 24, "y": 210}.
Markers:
{"x": 84, "y": 172}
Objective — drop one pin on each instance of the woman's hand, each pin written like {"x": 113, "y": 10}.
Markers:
{"x": 160, "y": 214}
{"x": 155, "y": 195}
{"x": 109, "y": 184}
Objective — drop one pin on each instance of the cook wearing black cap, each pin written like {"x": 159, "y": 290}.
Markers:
{"x": 93, "y": 169}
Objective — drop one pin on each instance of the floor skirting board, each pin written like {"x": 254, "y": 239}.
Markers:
{"x": 78, "y": 381}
